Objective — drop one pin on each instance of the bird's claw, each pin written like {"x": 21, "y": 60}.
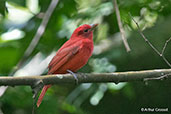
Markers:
{"x": 75, "y": 76}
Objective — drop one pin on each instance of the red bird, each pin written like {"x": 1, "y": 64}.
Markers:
{"x": 73, "y": 55}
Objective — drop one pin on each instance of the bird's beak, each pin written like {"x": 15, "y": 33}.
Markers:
{"x": 93, "y": 26}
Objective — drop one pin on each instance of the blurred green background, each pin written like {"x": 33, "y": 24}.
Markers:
{"x": 19, "y": 20}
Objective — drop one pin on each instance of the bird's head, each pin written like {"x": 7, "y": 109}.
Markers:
{"x": 84, "y": 31}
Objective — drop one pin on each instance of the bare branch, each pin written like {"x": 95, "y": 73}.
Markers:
{"x": 121, "y": 27}
{"x": 151, "y": 45}
{"x": 41, "y": 28}
{"x": 86, "y": 78}
{"x": 165, "y": 45}
{"x": 158, "y": 78}
{"x": 36, "y": 89}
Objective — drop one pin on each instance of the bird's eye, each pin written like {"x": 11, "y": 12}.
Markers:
{"x": 86, "y": 30}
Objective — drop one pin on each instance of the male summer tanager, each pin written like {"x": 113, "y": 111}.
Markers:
{"x": 73, "y": 55}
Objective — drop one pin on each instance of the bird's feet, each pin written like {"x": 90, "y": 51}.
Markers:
{"x": 75, "y": 76}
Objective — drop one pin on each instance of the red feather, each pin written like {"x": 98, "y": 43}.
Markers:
{"x": 73, "y": 55}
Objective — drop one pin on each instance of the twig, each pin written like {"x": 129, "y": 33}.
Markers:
{"x": 35, "y": 89}
{"x": 162, "y": 53}
{"x": 85, "y": 78}
{"x": 151, "y": 45}
{"x": 158, "y": 78}
{"x": 121, "y": 27}
{"x": 164, "y": 47}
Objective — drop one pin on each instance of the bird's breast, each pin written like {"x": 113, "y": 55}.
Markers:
{"x": 81, "y": 58}
{"x": 87, "y": 47}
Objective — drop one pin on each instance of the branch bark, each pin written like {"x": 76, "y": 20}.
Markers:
{"x": 88, "y": 78}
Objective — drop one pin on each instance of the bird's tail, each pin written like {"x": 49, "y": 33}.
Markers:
{"x": 45, "y": 88}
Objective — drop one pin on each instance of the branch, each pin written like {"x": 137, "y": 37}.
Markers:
{"x": 121, "y": 27}
{"x": 151, "y": 45}
{"x": 165, "y": 45}
{"x": 88, "y": 78}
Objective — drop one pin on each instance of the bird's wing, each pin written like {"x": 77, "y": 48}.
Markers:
{"x": 65, "y": 53}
